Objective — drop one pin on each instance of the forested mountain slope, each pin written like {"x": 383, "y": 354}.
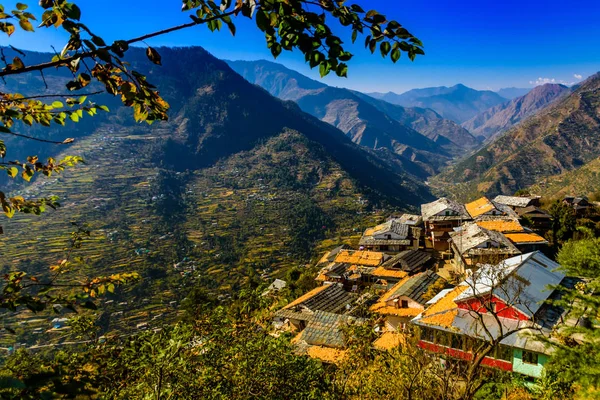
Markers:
{"x": 238, "y": 182}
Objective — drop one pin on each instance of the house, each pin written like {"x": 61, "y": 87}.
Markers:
{"x": 539, "y": 218}
{"x": 506, "y": 302}
{"x": 523, "y": 239}
{"x": 527, "y": 242}
{"x": 391, "y": 236}
{"x": 352, "y": 268}
{"x": 515, "y": 202}
{"x": 440, "y": 218}
{"x": 484, "y": 208}
{"x": 407, "y": 299}
{"x": 324, "y": 336}
{"x": 580, "y": 205}
{"x": 329, "y": 298}
{"x": 472, "y": 244}
{"x": 405, "y": 263}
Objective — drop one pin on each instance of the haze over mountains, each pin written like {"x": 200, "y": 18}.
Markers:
{"x": 513, "y": 92}
{"x": 457, "y": 103}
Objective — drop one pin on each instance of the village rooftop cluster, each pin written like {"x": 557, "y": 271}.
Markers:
{"x": 454, "y": 276}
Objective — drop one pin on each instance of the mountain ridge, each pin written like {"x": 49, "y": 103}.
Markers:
{"x": 457, "y": 103}
{"x": 560, "y": 138}
{"x": 498, "y": 119}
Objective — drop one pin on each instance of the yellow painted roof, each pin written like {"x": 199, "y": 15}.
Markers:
{"x": 525, "y": 238}
{"x": 306, "y": 296}
{"x": 371, "y": 231}
{"x": 444, "y": 319}
{"x": 501, "y": 226}
{"x": 446, "y": 302}
{"x": 383, "y": 309}
{"x": 388, "y": 273}
{"x": 368, "y": 258}
{"x": 326, "y": 354}
{"x": 443, "y": 311}
{"x": 321, "y": 277}
{"x": 389, "y": 340}
{"x": 479, "y": 207}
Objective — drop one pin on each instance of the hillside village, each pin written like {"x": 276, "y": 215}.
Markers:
{"x": 452, "y": 278}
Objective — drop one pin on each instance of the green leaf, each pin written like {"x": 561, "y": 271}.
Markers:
{"x": 396, "y": 55}
{"x": 104, "y": 108}
{"x": 57, "y": 104}
{"x": 385, "y": 48}
{"x": 21, "y": 6}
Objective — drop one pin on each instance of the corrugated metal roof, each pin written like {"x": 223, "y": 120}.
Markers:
{"x": 520, "y": 281}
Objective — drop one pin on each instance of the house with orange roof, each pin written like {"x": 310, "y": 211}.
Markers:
{"x": 407, "y": 299}
{"x": 484, "y": 208}
{"x": 391, "y": 236}
{"x": 472, "y": 245}
{"x": 507, "y": 302}
{"x": 440, "y": 218}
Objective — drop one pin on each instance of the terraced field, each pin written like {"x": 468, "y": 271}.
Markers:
{"x": 261, "y": 211}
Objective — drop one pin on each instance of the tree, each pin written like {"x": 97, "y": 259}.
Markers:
{"x": 563, "y": 223}
{"x": 576, "y": 361}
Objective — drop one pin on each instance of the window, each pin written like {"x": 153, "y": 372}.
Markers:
{"x": 504, "y": 353}
{"x": 427, "y": 334}
{"x": 404, "y": 304}
{"x": 530, "y": 357}
{"x": 389, "y": 237}
{"x": 456, "y": 342}
{"x": 447, "y": 213}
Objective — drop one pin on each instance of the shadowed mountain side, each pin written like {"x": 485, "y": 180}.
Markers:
{"x": 361, "y": 121}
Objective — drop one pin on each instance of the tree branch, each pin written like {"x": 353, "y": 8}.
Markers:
{"x": 89, "y": 54}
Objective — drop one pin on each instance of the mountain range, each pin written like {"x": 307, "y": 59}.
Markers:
{"x": 500, "y": 118}
{"x": 562, "y": 137}
{"x": 457, "y": 103}
{"x": 236, "y": 179}
{"x": 418, "y": 136}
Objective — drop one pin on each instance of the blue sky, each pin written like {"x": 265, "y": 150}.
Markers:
{"x": 482, "y": 44}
